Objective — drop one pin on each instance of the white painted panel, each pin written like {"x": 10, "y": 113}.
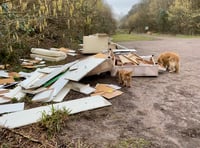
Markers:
{"x": 58, "y": 85}
{"x": 123, "y": 50}
{"x": 47, "y": 52}
{"x": 61, "y": 95}
{"x": 7, "y": 108}
{"x": 21, "y": 118}
{"x": 46, "y": 70}
{"x": 48, "y": 58}
{"x": 83, "y": 67}
{"x": 43, "y": 96}
{"x": 3, "y": 100}
{"x": 4, "y": 74}
{"x": 35, "y": 76}
{"x": 86, "y": 89}
{"x": 15, "y": 93}
{"x": 53, "y": 74}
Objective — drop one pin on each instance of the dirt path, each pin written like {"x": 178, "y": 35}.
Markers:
{"x": 171, "y": 101}
{"x": 163, "y": 109}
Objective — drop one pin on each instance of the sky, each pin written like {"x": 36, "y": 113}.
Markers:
{"x": 121, "y": 7}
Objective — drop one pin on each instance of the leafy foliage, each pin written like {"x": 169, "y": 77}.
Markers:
{"x": 46, "y": 23}
{"x": 173, "y": 16}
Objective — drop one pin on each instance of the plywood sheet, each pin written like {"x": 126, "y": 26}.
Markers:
{"x": 106, "y": 91}
{"x": 26, "y": 117}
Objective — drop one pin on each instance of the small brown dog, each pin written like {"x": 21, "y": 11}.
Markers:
{"x": 124, "y": 77}
{"x": 170, "y": 61}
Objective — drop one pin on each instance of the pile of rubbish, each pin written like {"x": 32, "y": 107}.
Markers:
{"x": 53, "y": 83}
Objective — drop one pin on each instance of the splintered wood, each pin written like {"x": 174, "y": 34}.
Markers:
{"x": 132, "y": 59}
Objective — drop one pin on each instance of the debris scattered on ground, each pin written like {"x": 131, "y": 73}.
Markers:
{"x": 53, "y": 83}
{"x": 29, "y": 116}
{"x": 107, "y": 91}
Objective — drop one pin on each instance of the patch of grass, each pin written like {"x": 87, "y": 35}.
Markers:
{"x": 54, "y": 121}
{"x": 132, "y": 143}
{"x": 122, "y": 37}
{"x": 14, "y": 100}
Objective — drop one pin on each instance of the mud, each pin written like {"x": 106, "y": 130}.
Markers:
{"x": 164, "y": 110}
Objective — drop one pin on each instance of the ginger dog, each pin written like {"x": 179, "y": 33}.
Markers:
{"x": 125, "y": 77}
{"x": 170, "y": 61}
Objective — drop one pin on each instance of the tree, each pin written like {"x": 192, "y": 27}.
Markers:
{"x": 47, "y": 23}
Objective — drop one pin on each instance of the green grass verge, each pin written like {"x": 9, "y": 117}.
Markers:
{"x": 131, "y": 37}
{"x": 176, "y": 35}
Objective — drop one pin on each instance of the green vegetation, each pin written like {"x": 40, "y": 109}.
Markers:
{"x": 130, "y": 37}
{"x": 54, "y": 121}
{"x": 164, "y": 16}
{"x": 56, "y": 23}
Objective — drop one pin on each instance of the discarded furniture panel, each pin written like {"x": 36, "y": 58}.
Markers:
{"x": 15, "y": 93}
{"x": 3, "y": 74}
{"x": 138, "y": 70}
{"x": 53, "y": 74}
{"x": 138, "y": 65}
{"x": 106, "y": 66}
{"x": 85, "y": 89}
{"x": 65, "y": 50}
{"x": 43, "y": 96}
{"x": 77, "y": 71}
{"x": 58, "y": 86}
{"x": 34, "y": 91}
{"x": 26, "y": 117}
{"x": 35, "y": 76}
{"x": 48, "y": 58}
{"x": 61, "y": 95}
{"x": 121, "y": 51}
{"x": 95, "y": 43}
{"x": 4, "y": 100}
{"x": 8, "y": 108}
{"x": 46, "y": 52}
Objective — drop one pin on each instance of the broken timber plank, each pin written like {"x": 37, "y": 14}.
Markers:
{"x": 26, "y": 117}
{"x": 124, "y": 60}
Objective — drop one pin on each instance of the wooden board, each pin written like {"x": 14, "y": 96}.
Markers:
{"x": 54, "y": 73}
{"x": 138, "y": 70}
{"x": 7, "y": 108}
{"x": 26, "y": 117}
{"x": 83, "y": 67}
